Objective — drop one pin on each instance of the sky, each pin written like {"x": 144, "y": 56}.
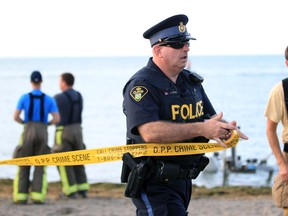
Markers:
{"x": 88, "y": 28}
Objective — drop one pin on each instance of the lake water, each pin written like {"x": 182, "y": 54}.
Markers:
{"x": 236, "y": 85}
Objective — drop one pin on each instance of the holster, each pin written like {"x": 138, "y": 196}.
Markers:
{"x": 125, "y": 168}
{"x": 137, "y": 175}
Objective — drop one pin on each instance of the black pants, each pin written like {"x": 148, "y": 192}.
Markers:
{"x": 164, "y": 199}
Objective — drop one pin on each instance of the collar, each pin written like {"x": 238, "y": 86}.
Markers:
{"x": 159, "y": 79}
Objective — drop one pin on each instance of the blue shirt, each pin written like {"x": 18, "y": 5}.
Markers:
{"x": 49, "y": 106}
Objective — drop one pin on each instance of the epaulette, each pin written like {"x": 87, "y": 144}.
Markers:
{"x": 193, "y": 76}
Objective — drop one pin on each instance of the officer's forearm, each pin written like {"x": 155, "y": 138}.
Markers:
{"x": 167, "y": 132}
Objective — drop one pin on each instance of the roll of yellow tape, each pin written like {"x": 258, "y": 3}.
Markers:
{"x": 233, "y": 139}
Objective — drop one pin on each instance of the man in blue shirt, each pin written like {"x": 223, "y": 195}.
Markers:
{"x": 34, "y": 140}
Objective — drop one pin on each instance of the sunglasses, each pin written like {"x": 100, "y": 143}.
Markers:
{"x": 176, "y": 45}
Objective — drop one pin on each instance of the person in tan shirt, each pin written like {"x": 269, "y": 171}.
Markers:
{"x": 276, "y": 112}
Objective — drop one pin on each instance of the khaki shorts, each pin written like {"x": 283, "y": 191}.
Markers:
{"x": 280, "y": 192}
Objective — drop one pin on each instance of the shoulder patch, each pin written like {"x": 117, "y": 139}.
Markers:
{"x": 138, "y": 92}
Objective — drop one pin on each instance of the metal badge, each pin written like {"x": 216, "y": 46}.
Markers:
{"x": 182, "y": 27}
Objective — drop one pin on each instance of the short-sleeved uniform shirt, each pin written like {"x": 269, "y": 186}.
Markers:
{"x": 49, "y": 106}
{"x": 276, "y": 109}
{"x": 70, "y": 105}
{"x": 150, "y": 96}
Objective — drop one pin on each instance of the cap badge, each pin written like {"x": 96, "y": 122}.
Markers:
{"x": 182, "y": 27}
{"x": 138, "y": 92}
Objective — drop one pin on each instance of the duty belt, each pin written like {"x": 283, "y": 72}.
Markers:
{"x": 168, "y": 172}
{"x": 194, "y": 172}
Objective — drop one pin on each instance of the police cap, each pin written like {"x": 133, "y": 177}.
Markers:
{"x": 172, "y": 29}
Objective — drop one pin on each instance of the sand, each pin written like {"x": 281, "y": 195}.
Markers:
{"x": 122, "y": 206}
{"x": 107, "y": 200}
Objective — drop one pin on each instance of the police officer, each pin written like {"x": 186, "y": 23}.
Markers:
{"x": 165, "y": 103}
{"x": 68, "y": 136}
{"x": 36, "y": 106}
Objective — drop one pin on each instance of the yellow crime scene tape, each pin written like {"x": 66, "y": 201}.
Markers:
{"x": 114, "y": 153}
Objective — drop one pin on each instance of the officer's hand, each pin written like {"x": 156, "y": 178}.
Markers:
{"x": 217, "y": 130}
{"x": 242, "y": 135}
{"x": 220, "y": 131}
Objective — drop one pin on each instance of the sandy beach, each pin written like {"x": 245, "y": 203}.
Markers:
{"x": 122, "y": 206}
{"x": 107, "y": 200}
